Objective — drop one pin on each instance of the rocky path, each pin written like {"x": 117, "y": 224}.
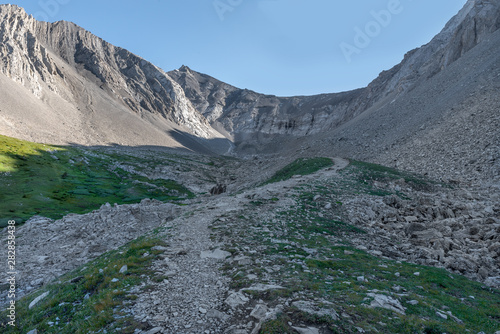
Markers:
{"x": 192, "y": 299}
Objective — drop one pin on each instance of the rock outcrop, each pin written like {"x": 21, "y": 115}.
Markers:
{"x": 64, "y": 61}
{"x": 459, "y": 231}
{"x": 249, "y": 116}
{"x": 48, "y": 244}
{"x": 61, "y": 60}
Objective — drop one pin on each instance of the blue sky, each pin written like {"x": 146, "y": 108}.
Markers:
{"x": 281, "y": 47}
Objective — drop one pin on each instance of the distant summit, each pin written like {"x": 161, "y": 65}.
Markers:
{"x": 62, "y": 84}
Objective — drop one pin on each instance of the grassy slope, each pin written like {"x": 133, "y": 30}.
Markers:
{"x": 53, "y": 181}
{"x": 304, "y": 249}
{"x": 301, "y": 166}
{"x": 88, "y": 299}
{"x": 307, "y": 251}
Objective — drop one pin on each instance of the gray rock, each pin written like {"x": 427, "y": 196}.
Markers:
{"x": 216, "y": 254}
{"x": 442, "y": 315}
{"x": 259, "y": 311}
{"x": 308, "y": 330}
{"x": 415, "y": 227}
{"x": 212, "y": 313}
{"x": 312, "y": 308}
{"x": 386, "y": 302}
{"x": 236, "y": 299}
{"x": 411, "y": 219}
{"x": 38, "y": 299}
{"x": 493, "y": 282}
{"x": 154, "y": 330}
{"x": 262, "y": 287}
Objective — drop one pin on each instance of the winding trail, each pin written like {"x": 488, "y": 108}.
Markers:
{"x": 192, "y": 299}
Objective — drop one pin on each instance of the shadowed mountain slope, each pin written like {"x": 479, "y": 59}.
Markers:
{"x": 62, "y": 84}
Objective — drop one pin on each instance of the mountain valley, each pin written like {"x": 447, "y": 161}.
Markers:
{"x": 148, "y": 201}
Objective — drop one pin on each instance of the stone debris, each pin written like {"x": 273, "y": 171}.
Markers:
{"x": 259, "y": 312}
{"x": 236, "y": 299}
{"x": 308, "y": 330}
{"x": 193, "y": 296}
{"x": 442, "y": 315}
{"x": 216, "y": 254}
{"x": 387, "y": 302}
{"x": 263, "y": 287}
{"x": 52, "y": 248}
{"x": 38, "y": 299}
{"x": 314, "y": 309}
{"x": 455, "y": 229}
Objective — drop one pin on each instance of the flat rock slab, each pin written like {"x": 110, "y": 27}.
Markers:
{"x": 262, "y": 287}
{"x": 386, "y": 302}
{"x": 236, "y": 299}
{"x": 312, "y": 308}
{"x": 308, "y": 330}
{"x": 38, "y": 299}
{"x": 216, "y": 254}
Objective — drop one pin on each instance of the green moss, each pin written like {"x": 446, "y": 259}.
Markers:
{"x": 54, "y": 180}
{"x": 302, "y": 166}
{"x": 277, "y": 326}
{"x": 87, "y": 299}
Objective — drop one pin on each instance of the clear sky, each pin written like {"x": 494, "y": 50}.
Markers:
{"x": 281, "y": 47}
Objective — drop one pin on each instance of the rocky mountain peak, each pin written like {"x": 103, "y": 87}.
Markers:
{"x": 65, "y": 59}
{"x": 47, "y": 58}
{"x": 250, "y": 116}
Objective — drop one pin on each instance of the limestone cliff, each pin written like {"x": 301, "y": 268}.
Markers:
{"x": 247, "y": 115}
{"x": 71, "y": 62}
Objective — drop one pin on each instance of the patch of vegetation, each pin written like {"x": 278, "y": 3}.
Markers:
{"x": 277, "y": 326}
{"x": 307, "y": 250}
{"x": 91, "y": 298}
{"x": 302, "y": 166}
{"x": 367, "y": 173}
{"x": 53, "y": 181}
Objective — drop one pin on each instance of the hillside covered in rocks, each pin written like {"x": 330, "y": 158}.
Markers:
{"x": 321, "y": 246}
{"x": 171, "y": 202}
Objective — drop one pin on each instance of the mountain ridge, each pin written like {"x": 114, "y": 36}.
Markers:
{"x": 91, "y": 74}
{"x": 323, "y": 112}
{"x": 113, "y": 96}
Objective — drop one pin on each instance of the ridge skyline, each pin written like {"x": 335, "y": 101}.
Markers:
{"x": 322, "y": 70}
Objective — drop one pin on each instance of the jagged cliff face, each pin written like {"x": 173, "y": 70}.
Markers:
{"x": 241, "y": 111}
{"x": 472, "y": 25}
{"x": 251, "y": 116}
{"x": 99, "y": 88}
{"x": 67, "y": 60}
